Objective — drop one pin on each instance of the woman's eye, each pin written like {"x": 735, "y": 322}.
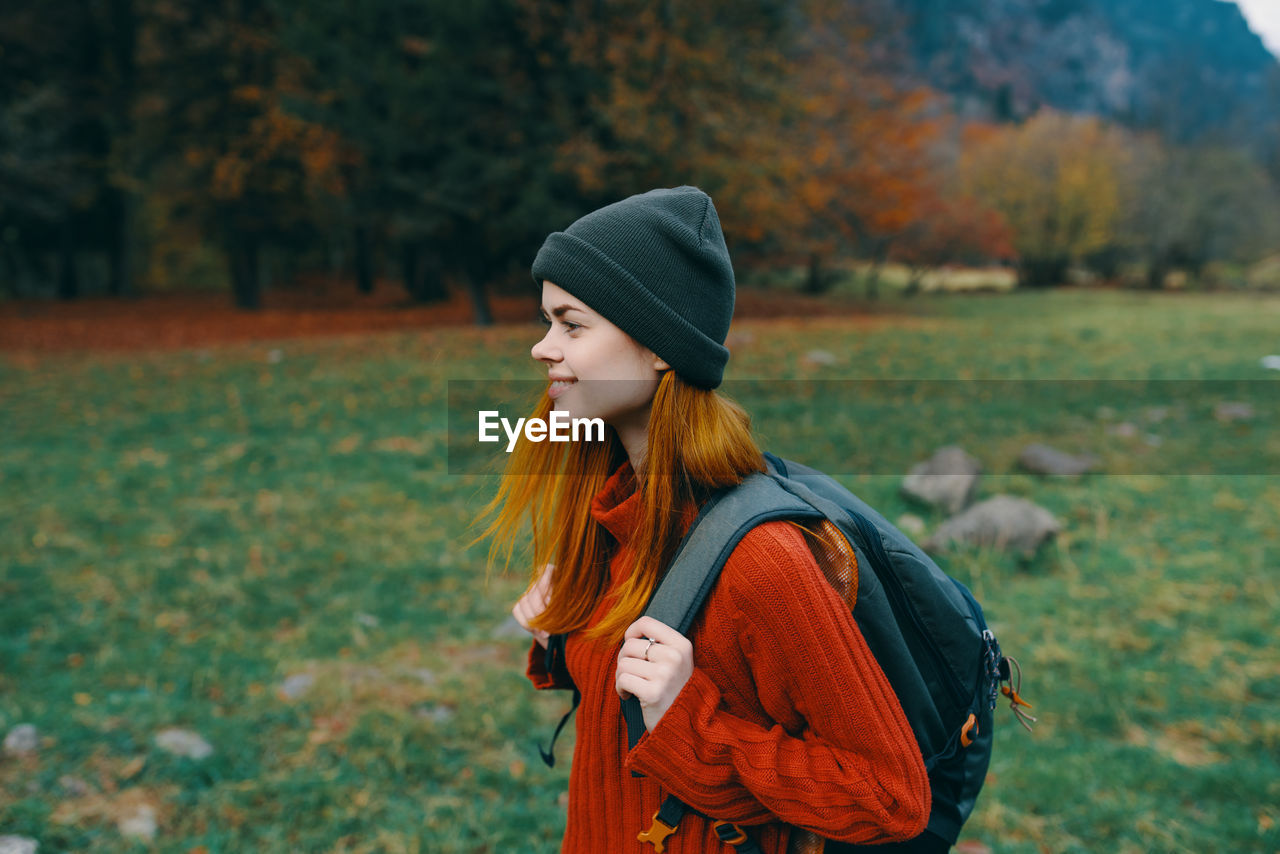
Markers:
{"x": 569, "y": 326}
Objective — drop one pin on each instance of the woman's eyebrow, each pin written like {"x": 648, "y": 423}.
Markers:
{"x": 559, "y": 311}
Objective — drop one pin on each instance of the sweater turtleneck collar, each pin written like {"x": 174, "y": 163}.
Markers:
{"x": 617, "y": 504}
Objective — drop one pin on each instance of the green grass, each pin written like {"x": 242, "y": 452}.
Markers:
{"x": 184, "y": 531}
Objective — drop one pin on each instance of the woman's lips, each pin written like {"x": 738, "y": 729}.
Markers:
{"x": 558, "y": 387}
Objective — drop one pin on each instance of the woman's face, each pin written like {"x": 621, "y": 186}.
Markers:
{"x": 596, "y": 369}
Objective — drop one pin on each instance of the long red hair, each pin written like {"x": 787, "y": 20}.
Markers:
{"x": 698, "y": 441}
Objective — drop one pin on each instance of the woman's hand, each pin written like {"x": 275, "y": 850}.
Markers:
{"x": 533, "y": 603}
{"x": 654, "y": 664}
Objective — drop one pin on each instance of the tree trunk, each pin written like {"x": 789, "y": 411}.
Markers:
{"x": 242, "y": 255}
{"x": 1155, "y": 277}
{"x": 479, "y": 301}
{"x": 68, "y": 280}
{"x": 120, "y": 283}
{"x": 879, "y": 254}
{"x": 409, "y": 268}
{"x": 816, "y": 282}
{"x": 423, "y": 277}
{"x": 122, "y": 44}
{"x": 1043, "y": 272}
{"x": 914, "y": 283}
{"x": 11, "y": 272}
{"x": 364, "y": 260}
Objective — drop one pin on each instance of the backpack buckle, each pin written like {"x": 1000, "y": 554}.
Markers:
{"x": 657, "y": 834}
{"x": 730, "y": 834}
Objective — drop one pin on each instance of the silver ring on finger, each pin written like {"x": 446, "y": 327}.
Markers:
{"x": 646, "y": 649}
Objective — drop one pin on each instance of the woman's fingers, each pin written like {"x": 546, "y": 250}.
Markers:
{"x": 654, "y": 664}
{"x": 629, "y": 685}
{"x": 533, "y": 603}
{"x": 648, "y": 627}
{"x": 542, "y": 589}
{"x": 638, "y": 648}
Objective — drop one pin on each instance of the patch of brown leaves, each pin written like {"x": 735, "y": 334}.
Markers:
{"x": 317, "y": 307}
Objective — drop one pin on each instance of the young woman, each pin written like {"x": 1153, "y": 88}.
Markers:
{"x": 772, "y": 713}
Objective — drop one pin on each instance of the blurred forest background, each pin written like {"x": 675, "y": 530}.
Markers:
{"x": 155, "y": 145}
{"x": 238, "y": 608}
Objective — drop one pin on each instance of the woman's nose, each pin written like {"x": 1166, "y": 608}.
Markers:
{"x": 544, "y": 351}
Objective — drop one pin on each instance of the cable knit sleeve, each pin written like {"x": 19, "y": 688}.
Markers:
{"x": 852, "y": 771}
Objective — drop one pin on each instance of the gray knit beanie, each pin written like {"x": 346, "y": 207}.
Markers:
{"x": 657, "y": 267}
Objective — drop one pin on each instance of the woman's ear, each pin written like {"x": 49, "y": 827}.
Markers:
{"x": 659, "y": 365}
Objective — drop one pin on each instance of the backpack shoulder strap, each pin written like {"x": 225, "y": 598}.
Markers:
{"x": 722, "y": 522}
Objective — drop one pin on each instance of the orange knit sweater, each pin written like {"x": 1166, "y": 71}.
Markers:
{"x": 787, "y": 719}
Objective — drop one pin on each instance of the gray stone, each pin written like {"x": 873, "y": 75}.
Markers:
{"x": 1043, "y": 459}
{"x": 296, "y": 685}
{"x": 1233, "y": 411}
{"x": 820, "y": 357}
{"x": 138, "y": 823}
{"x": 946, "y": 480}
{"x": 1125, "y": 430}
{"x": 435, "y": 714}
{"x": 1004, "y": 522}
{"x": 22, "y": 739}
{"x": 10, "y": 844}
{"x": 184, "y": 742}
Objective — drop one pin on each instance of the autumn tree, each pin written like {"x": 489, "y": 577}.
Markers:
{"x": 776, "y": 109}
{"x": 1059, "y": 182}
{"x": 66, "y": 96}
{"x": 952, "y": 230}
{"x": 1193, "y": 206}
{"x": 446, "y": 114}
{"x": 859, "y": 165}
{"x": 671, "y": 93}
{"x": 245, "y": 166}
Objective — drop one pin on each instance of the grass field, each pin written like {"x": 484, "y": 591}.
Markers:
{"x": 186, "y": 534}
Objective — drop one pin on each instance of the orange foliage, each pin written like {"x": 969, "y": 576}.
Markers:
{"x": 1059, "y": 181}
{"x": 803, "y": 149}
{"x": 955, "y": 229}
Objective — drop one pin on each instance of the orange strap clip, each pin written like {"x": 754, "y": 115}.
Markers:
{"x": 723, "y": 829}
{"x": 970, "y": 726}
{"x": 657, "y": 834}
{"x": 1015, "y": 700}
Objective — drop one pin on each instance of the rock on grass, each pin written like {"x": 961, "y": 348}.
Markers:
{"x": 946, "y": 480}
{"x": 184, "y": 742}
{"x": 138, "y": 823}
{"x": 1004, "y": 522}
{"x": 18, "y": 845}
{"x": 21, "y": 740}
{"x": 1043, "y": 459}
